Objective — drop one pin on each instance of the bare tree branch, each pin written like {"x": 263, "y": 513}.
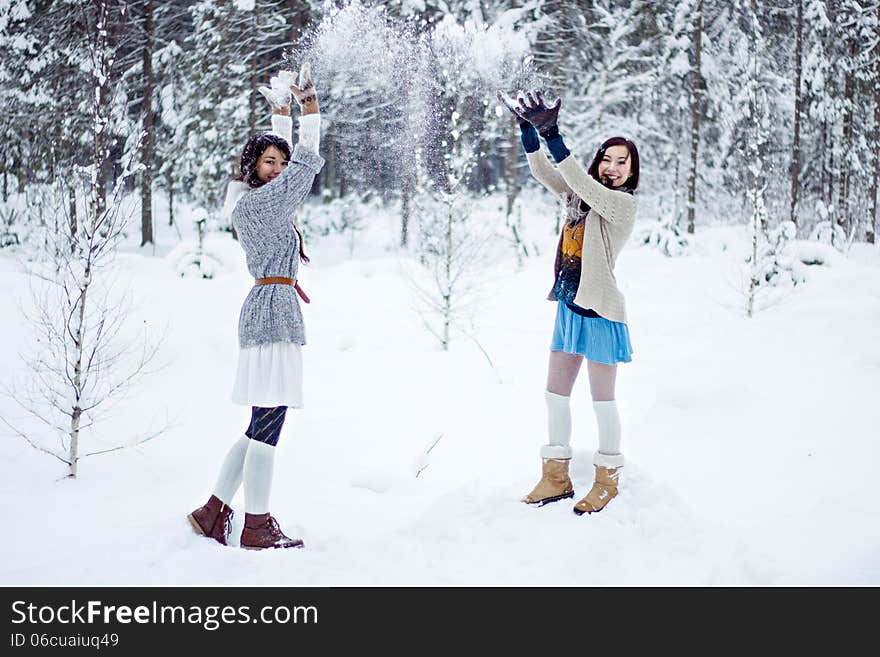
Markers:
{"x": 30, "y": 442}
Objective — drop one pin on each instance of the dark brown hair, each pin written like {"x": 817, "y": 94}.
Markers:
{"x": 253, "y": 150}
{"x": 633, "y": 182}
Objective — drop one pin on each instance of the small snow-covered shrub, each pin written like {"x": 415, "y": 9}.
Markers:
{"x": 828, "y": 232}
{"x": 666, "y": 236}
{"x": 337, "y": 215}
{"x": 777, "y": 264}
{"x": 200, "y": 265}
{"x": 9, "y": 227}
{"x": 523, "y": 247}
{"x": 347, "y": 216}
{"x": 813, "y": 253}
{"x": 198, "y": 262}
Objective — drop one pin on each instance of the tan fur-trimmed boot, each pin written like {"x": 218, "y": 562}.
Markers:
{"x": 555, "y": 483}
{"x": 604, "y": 486}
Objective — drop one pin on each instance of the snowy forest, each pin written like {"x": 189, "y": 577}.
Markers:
{"x": 751, "y": 278}
{"x": 165, "y": 92}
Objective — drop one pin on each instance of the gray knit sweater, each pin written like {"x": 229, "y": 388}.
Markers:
{"x": 263, "y": 219}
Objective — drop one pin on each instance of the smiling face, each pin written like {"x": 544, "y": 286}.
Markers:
{"x": 615, "y": 166}
{"x": 271, "y": 163}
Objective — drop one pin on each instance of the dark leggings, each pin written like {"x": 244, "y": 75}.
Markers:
{"x": 266, "y": 423}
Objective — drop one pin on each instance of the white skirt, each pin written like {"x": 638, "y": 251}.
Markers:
{"x": 269, "y": 375}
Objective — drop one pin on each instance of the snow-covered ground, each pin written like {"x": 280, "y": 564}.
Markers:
{"x": 751, "y": 444}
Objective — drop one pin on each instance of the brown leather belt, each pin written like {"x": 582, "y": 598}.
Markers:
{"x": 282, "y": 280}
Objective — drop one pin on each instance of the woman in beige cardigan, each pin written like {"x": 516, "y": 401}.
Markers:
{"x": 600, "y": 210}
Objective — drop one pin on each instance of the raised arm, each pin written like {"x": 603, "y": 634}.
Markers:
{"x": 282, "y": 125}
{"x": 279, "y": 96}
{"x": 546, "y": 174}
{"x": 309, "y": 130}
{"x": 542, "y": 170}
{"x": 613, "y": 206}
{"x": 292, "y": 185}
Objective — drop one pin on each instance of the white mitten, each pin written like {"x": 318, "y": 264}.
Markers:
{"x": 278, "y": 91}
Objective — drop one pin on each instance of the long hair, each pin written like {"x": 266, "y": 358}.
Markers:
{"x": 253, "y": 150}
{"x": 633, "y": 182}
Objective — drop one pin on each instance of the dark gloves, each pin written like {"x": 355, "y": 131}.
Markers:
{"x": 534, "y": 115}
{"x": 529, "y": 136}
{"x": 506, "y": 102}
{"x": 539, "y": 115}
{"x": 535, "y": 111}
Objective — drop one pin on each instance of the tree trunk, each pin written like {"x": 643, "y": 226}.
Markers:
{"x": 107, "y": 34}
{"x": 170, "y": 185}
{"x": 824, "y": 185}
{"x": 295, "y": 11}
{"x": 874, "y": 220}
{"x": 341, "y": 176}
{"x": 844, "y": 215}
{"x": 99, "y": 154}
{"x": 696, "y": 95}
{"x": 71, "y": 209}
{"x": 513, "y": 155}
{"x": 753, "y": 274}
{"x": 101, "y": 124}
{"x": 796, "y": 142}
{"x": 676, "y": 187}
{"x": 447, "y": 297}
{"x": 147, "y": 151}
{"x": 513, "y": 190}
{"x": 328, "y": 172}
{"x": 76, "y": 411}
{"x": 255, "y": 66}
{"x": 405, "y": 207}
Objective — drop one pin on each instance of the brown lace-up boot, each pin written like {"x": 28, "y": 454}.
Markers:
{"x": 555, "y": 483}
{"x": 213, "y": 520}
{"x": 262, "y": 531}
{"x": 603, "y": 491}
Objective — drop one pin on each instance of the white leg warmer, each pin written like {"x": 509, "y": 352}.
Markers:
{"x": 258, "y": 466}
{"x": 230, "y": 475}
{"x": 608, "y": 421}
{"x": 558, "y": 427}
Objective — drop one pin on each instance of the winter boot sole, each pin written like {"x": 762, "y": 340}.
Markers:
{"x": 549, "y": 500}
{"x": 578, "y": 512}
{"x": 274, "y": 547}
{"x": 195, "y": 525}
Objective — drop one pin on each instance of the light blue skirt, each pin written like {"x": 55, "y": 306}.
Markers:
{"x": 595, "y": 338}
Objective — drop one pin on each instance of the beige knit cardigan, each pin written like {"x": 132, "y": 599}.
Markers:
{"x": 608, "y": 226}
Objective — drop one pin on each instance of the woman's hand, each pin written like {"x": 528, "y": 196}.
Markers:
{"x": 535, "y": 111}
{"x": 277, "y": 94}
{"x": 305, "y": 94}
{"x": 506, "y": 102}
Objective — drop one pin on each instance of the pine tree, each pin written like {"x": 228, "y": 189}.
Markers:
{"x": 449, "y": 245}
{"x": 610, "y": 88}
{"x": 231, "y": 51}
{"x": 665, "y": 110}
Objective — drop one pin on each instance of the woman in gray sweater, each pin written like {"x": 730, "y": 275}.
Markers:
{"x": 599, "y": 211}
{"x": 273, "y": 183}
